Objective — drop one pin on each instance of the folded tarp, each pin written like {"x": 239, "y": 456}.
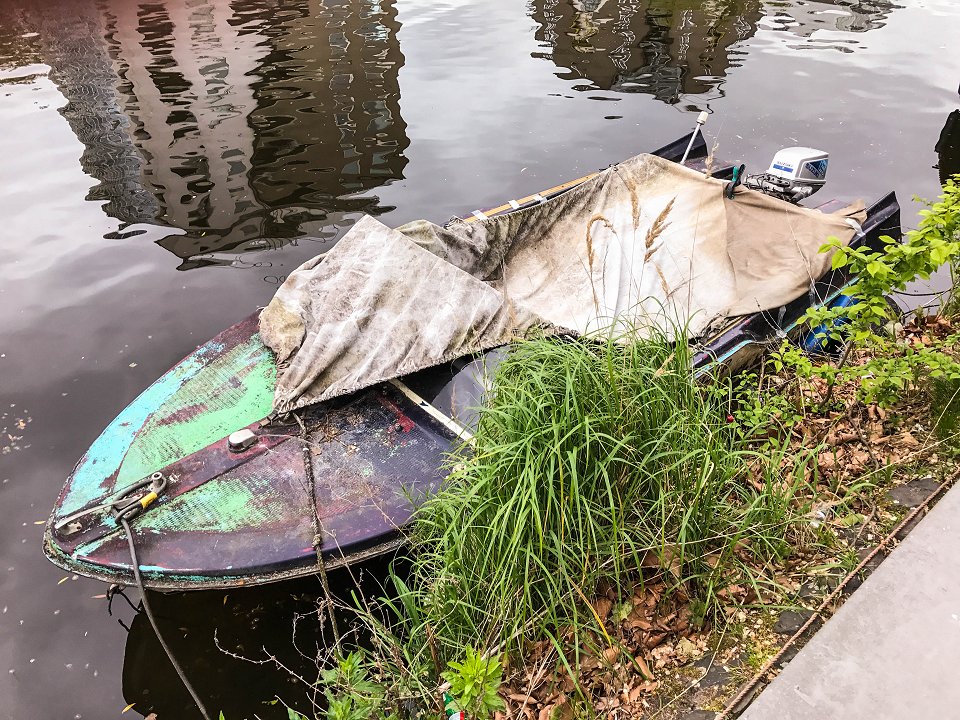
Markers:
{"x": 645, "y": 244}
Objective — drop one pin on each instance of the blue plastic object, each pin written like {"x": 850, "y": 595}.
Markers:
{"x": 818, "y": 340}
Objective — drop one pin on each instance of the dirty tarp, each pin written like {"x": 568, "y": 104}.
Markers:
{"x": 645, "y": 244}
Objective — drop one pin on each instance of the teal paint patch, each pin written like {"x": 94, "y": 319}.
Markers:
{"x": 90, "y": 479}
{"x": 243, "y": 500}
{"x": 234, "y": 390}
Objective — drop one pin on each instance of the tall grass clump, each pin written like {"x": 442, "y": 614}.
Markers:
{"x": 595, "y": 463}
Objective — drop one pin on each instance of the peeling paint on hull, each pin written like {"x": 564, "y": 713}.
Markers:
{"x": 230, "y": 518}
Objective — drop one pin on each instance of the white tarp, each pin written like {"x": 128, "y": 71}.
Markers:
{"x": 645, "y": 243}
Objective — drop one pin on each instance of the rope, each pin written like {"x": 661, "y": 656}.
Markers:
{"x": 317, "y": 528}
{"x": 738, "y": 699}
{"x": 153, "y": 620}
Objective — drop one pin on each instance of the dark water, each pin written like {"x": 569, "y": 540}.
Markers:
{"x": 165, "y": 164}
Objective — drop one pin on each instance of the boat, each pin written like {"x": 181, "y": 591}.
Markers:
{"x": 218, "y": 490}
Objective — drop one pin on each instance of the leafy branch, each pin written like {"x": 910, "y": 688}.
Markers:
{"x": 889, "y": 366}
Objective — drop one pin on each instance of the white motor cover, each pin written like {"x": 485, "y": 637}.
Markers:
{"x": 801, "y": 166}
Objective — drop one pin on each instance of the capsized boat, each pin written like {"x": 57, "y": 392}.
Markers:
{"x": 229, "y": 475}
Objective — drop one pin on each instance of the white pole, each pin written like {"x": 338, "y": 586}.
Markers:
{"x": 701, "y": 120}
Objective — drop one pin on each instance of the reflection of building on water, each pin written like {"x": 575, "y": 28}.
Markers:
{"x": 666, "y": 48}
{"x": 18, "y": 44}
{"x": 185, "y": 86}
{"x": 243, "y": 122}
{"x": 328, "y": 112}
{"x": 72, "y": 44}
{"x": 805, "y": 18}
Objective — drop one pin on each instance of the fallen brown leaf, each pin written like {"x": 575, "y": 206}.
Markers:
{"x": 643, "y": 667}
{"x": 602, "y": 607}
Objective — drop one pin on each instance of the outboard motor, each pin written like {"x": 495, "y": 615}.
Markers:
{"x": 795, "y": 173}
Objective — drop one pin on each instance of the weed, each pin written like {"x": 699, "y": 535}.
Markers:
{"x": 350, "y": 693}
{"x": 474, "y": 684}
{"x": 945, "y": 407}
{"x": 889, "y": 367}
{"x": 756, "y": 413}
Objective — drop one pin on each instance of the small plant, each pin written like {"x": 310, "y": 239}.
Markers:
{"x": 888, "y": 367}
{"x": 350, "y": 693}
{"x": 755, "y": 412}
{"x": 474, "y": 684}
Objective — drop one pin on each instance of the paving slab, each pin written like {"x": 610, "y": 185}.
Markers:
{"x": 892, "y": 651}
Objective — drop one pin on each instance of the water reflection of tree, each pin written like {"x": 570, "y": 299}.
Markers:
{"x": 243, "y": 122}
{"x": 665, "y": 48}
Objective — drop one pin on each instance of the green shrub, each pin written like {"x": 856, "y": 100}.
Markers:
{"x": 474, "y": 684}
{"x": 889, "y": 367}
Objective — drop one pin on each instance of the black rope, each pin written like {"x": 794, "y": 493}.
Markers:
{"x": 112, "y": 592}
{"x": 153, "y": 621}
{"x": 930, "y": 293}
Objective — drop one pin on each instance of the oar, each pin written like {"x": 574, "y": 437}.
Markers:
{"x": 701, "y": 121}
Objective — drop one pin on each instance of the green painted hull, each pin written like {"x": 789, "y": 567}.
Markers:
{"x": 231, "y": 518}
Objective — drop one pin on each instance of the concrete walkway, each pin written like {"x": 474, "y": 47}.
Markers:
{"x": 892, "y": 651}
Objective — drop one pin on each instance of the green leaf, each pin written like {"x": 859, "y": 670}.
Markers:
{"x": 875, "y": 267}
{"x": 852, "y": 520}
{"x": 621, "y": 611}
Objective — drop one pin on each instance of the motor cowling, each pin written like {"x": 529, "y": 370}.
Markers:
{"x": 797, "y": 172}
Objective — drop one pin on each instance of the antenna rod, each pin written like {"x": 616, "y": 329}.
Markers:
{"x": 701, "y": 120}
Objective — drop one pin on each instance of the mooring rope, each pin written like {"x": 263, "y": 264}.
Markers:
{"x": 153, "y": 621}
{"x": 317, "y": 528}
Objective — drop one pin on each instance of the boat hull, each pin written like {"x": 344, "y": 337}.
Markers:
{"x": 230, "y": 518}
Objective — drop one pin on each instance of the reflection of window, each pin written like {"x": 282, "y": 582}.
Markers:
{"x": 644, "y": 46}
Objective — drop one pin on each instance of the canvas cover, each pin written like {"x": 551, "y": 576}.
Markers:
{"x": 645, "y": 244}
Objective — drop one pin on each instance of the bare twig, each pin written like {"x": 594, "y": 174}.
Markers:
{"x": 833, "y": 381}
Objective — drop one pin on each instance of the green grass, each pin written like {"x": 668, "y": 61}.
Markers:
{"x": 591, "y": 461}
{"x": 945, "y": 408}
{"x": 596, "y": 464}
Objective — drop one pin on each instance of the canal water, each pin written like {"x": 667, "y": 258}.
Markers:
{"x": 165, "y": 164}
